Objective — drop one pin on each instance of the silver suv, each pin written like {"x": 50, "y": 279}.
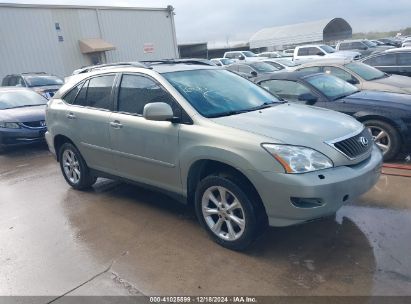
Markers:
{"x": 244, "y": 158}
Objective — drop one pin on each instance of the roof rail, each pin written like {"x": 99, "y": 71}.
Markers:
{"x": 180, "y": 61}
{"x": 90, "y": 68}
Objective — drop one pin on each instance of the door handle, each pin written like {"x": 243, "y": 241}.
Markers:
{"x": 71, "y": 116}
{"x": 116, "y": 124}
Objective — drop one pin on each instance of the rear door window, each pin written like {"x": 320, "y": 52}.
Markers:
{"x": 302, "y": 52}
{"x": 99, "y": 92}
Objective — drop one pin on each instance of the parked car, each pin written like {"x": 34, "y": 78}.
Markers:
{"x": 22, "y": 117}
{"x": 377, "y": 42}
{"x": 363, "y": 76}
{"x": 270, "y": 55}
{"x": 222, "y": 61}
{"x": 306, "y": 53}
{"x": 363, "y": 46}
{"x": 391, "y": 42}
{"x": 213, "y": 139}
{"x": 406, "y": 44}
{"x": 286, "y": 64}
{"x": 386, "y": 115}
{"x": 252, "y": 69}
{"x": 243, "y": 56}
{"x": 394, "y": 61}
{"x": 43, "y": 83}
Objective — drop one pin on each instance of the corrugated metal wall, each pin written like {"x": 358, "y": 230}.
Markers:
{"x": 29, "y": 40}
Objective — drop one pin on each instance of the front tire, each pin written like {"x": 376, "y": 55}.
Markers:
{"x": 229, "y": 215}
{"x": 74, "y": 168}
{"x": 386, "y": 138}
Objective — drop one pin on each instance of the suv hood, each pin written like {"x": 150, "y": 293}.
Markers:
{"x": 402, "y": 82}
{"x": 295, "y": 124}
{"x": 26, "y": 114}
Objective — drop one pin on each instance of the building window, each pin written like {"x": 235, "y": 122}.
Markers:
{"x": 57, "y": 25}
{"x": 61, "y": 39}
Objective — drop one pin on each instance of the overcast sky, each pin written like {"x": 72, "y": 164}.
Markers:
{"x": 235, "y": 20}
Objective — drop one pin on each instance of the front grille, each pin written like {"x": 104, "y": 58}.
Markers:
{"x": 35, "y": 124}
{"x": 355, "y": 146}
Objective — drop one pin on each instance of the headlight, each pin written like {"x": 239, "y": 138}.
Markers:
{"x": 296, "y": 159}
{"x": 9, "y": 125}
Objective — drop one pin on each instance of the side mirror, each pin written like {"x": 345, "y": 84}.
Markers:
{"x": 353, "y": 81}
{"x": 241, "y": 57}
{"x": 320, "y": 54}
{"x": 158, "y": 111}
{"x": 364, "y": 48}
{"x": 309, "y": 98}
{"x": 254, "y": 74}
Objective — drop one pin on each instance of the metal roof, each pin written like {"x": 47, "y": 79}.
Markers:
{"x": 321, "y": 30}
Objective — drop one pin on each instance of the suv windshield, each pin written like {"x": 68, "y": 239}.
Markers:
{"x": 18, "y": 99}
{"x": 327, "y": 49}
{"x": 365, "y": 71}
{"x": 263, "y": 67}
{"x": 249, "y": 54}
{"x": 216, "y": 93}
{"x": 331, "y": 86}
{"x": 42, "y": 80}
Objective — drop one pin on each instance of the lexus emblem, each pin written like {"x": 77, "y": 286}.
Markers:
{"x": 363, "y": 141}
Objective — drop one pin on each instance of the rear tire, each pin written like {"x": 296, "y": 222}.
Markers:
{"x": 74, "y": 168}
{"x": 386, "y": 137}
{"x": 232, "y": 217}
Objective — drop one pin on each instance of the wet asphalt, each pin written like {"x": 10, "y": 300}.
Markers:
{"x": 119, "y": 239}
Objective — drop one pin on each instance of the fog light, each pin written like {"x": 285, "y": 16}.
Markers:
{"x": 305, "y": 203}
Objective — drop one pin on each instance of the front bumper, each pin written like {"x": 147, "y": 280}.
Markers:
{"x": 22, "y": 136}
{"x": 330, "y": 187}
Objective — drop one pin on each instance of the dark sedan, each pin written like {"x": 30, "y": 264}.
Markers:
{"x": 395, "y": 61}
{"x": 22, "y": 117}
{"x": 387, "y": 115}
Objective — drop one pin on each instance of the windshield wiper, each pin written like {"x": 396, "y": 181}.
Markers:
{"x": 345, "y": 95}
{"x": 24, "y": 106}
{"x": 265, "y": 105}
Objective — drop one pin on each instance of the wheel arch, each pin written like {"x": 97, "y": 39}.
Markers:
{"x": 58, "y": 141}
{"x": 202, "y": 168}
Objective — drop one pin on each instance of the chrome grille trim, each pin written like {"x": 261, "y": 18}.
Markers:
{"x": 350, "y": 145}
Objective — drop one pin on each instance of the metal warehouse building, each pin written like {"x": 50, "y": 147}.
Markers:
{"x": 60, "y": 39}
{"x": 282, "y": 37}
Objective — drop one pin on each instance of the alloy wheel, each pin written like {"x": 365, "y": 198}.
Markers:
{"x": 223, "y": 213}
{"x": 71, "y": 166}
{"x": 381, "y": 138}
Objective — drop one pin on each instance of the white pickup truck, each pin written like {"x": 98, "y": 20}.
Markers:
{"x": 305, "y": 53}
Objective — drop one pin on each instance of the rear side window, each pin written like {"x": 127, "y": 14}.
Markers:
{"x": 404, "y": 59}
{"x": 345, "y": 46}
{"x": 5, "y": 81}
{"x": 230, "y": 55}
{"x": 137, "y": 91}
{"x": 72, "y": 94}
{"x": 302, "y": 52}
{"x": 81, "y": 99}
{"x": 99, "y": 92}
